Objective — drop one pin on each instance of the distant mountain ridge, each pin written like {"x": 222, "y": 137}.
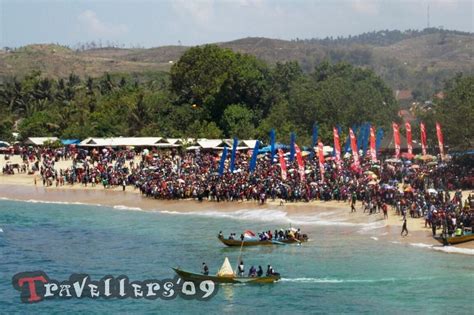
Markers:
{"x": 416, "y": 60}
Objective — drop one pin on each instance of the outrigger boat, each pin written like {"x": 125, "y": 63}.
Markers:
{"x": 250, "y": 239}
{"x": 457, "y": 239}
{"x": 226, "y": 275}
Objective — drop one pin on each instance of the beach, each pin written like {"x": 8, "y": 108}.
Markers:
{"x": 22, "y": 187}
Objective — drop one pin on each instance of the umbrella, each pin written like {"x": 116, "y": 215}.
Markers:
{"x": 393, "y": 161}
{"x": 4, "y": 144}
{"x": 415, "y": 166}
{"x": 180, "y": 180}
{"x": 313, "y": 184}
{"x": 408, "y": 189}
{"x": 432, "y": 191}
{"x": 372, "y": 182}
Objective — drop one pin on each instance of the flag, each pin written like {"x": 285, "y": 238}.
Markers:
{"x": 355, "y": 153}
{"x": 423, "y": 138}
{"x": 337, "y": 146}
{"x": 378, "y": 140}
{"x": 321, "y": 159}
{"x": 282, "y": 164}
{"x": 222, "y": 163}
{"x": 396, "y": 139}
{"x": 232, "y": 157}
{"x": 272, "y": 144}
{"x": 299, "y": 159}
{"x": 373, "y": 151}
{"x": 409, "y": 140}
{"x": 439, "y": 133}
{"x": 253, "y": 159}
{"x": 292, "y": 146}
{"x": 366, "y": 138}
{"x": 314, "y": 140}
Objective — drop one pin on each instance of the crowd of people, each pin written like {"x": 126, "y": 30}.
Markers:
{"x": 180, "y": 174}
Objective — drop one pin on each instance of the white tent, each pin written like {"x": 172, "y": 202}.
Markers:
{"x": 39, "y": 141}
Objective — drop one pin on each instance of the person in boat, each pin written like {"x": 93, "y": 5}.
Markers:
{"x": 220, "y": 235}
{"x": 260, "y": 271}
{"x": 241, "y": 268}
{"x": 231, "y": 236}
{"x": 270, "y": 270}
{"x": 205, "y": 269}
{"x": 252, "y": 272}
{"x": 276, "y": 234}
{"x": 242, "y": 237}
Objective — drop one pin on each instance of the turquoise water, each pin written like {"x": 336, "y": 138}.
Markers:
{"x": 339, "y": 271}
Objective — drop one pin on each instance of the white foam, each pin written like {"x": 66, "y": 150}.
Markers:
{"x": 328, "y": 280}
{"x": 122, "y": 207}
{"x": 422, "y": 245}
{"x": 446, "y": 249}
{"x": 374, "y": 238}
{"x": 1, "y": 230}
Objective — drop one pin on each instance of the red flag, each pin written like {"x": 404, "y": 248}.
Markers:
{"x": 355, "y": 153}
{"x": 337, "y": 146}
{"x": 409, "y": 140}
{"x": 299, "y": 159}
{"x": 282, "y": 164}
{"x": 396, "y": 139}
{"x": 439, "y": 133}
{"x": 373, "y": 151}
{"x": 321, "y": 159}
{"x": 423, "y": 138}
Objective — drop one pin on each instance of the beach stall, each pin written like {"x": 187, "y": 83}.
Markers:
{"x": 40, "y": 141}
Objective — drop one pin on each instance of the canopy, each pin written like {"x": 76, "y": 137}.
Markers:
{"x": 70, "y": 141}
{"x": 226, "y": 269}
{"x": 4, "y": 144}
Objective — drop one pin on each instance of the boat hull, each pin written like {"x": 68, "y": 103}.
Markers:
{"x": 456, "y": 239}
{"x": 239, "y": 243}
{"x": 189, "y": 276}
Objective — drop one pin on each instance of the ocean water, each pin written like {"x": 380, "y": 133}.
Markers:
{"x": 344, "y": 268}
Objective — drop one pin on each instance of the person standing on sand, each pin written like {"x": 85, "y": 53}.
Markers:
{"x": 404, "y": 227}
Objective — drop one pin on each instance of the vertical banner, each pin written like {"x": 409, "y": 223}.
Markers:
{"x": 314, "y": 140}
{"x": 355, "y": 153}
{"x": 439, "y": 133}
{"x": 378, "y": 141}
{"x": 337, "y": 147}
{"x": 292, "y": 146}
{"x": 321, "y": 159}
{"x": 299, "y": 159}
{"x": 272, "y": 144}
{"x": 423, "y": 138}
{"x": 396, "y": 139}
{"x": 232, "y": 157}
{"x": 253, "y": 160}
{"x": 409, "y": 140}
{"x": 373, "y": 151}
{"x": 281, "y": 155}
{"x": 222, "y": 163}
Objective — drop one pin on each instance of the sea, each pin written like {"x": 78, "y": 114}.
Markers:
{"x": 344, "y": 268}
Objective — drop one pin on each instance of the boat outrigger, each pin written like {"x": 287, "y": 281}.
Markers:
{"x": 248, "y": 238}
{"x": 226, "y": 275}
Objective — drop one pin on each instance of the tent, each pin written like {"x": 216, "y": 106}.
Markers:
{"x": 70, "y": 141}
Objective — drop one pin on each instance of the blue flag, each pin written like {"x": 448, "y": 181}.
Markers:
{"x": 222, "y": 163}
{"x": 379, "y": 138}
{"x": 366, "y": 138}
{"x": 272, "y": 144}
{"x": 232, "y": 157}
{"x": 314, "y": 140}
{"x": 292, "y": 146}
{"x": 253, "y": 160}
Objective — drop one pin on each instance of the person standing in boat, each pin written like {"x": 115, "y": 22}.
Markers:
{"x": 205, "y": 269}
{"x": 260, "y": 271}
{"x": 241, "y": 268}
{"x": 269, "y": 271}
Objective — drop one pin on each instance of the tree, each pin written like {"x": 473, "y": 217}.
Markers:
{"x": 237, "y": 121}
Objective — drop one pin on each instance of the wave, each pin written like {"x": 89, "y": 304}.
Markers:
{"x": 328, "y": 280}
{"x": 374, "y": 238}
{"x": 1, "y": 230}
{"x": 52, "y": 202}
{"x": 269, "y": 216}
{"x": 446, "y": 249}
{"x": 122, "y": 207}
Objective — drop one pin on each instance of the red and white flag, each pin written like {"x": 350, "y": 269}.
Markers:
{"x": 373, "y": 151}
{"x": 396, "y": 139}
{"x": 299, "y": 159}
{"x": 423, "y": 138}
{"x": 409, "y": 140}
{"x": 321, "y": 159}
{"x": 281, "y": 155}
{"x": 337, "y": 147}
{"x": 439, "y": 133}
{"x": 355, "y": 153}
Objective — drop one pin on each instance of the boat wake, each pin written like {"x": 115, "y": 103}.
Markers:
{"x": 446, "y": 249}
{"x": 328, "y": 280}
{"x": 122, "y": 207}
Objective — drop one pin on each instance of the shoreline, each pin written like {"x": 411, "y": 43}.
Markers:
{"x": 311, "y": 213}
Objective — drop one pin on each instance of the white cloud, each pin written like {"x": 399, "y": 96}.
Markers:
{"x": 368, "y": 7}
{"x": 199, "y": 10}
{"x": 93, "y": 25}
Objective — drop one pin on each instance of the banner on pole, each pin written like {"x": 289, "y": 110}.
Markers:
{"x": 396, "y": 139}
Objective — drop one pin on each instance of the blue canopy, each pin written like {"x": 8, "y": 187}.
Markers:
{"x": 277, "y": 146}
{"x": 70, "y": 141}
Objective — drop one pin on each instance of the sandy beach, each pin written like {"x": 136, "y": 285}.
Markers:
{"x": 25, "y": 187}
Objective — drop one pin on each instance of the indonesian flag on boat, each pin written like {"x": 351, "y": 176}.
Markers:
{"x": 249, "y": 233}
{"x": 281, "y": 155}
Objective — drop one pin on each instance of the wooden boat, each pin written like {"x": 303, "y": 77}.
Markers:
{"x": 239, "y": 243}
{"x": 453, "y": 240}
{"x": 189, "y": 276}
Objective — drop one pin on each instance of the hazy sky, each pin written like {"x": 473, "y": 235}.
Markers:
{"x": 165, "y": 22}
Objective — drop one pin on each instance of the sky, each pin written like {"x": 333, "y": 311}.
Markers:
{"x": 152, "y": 23}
